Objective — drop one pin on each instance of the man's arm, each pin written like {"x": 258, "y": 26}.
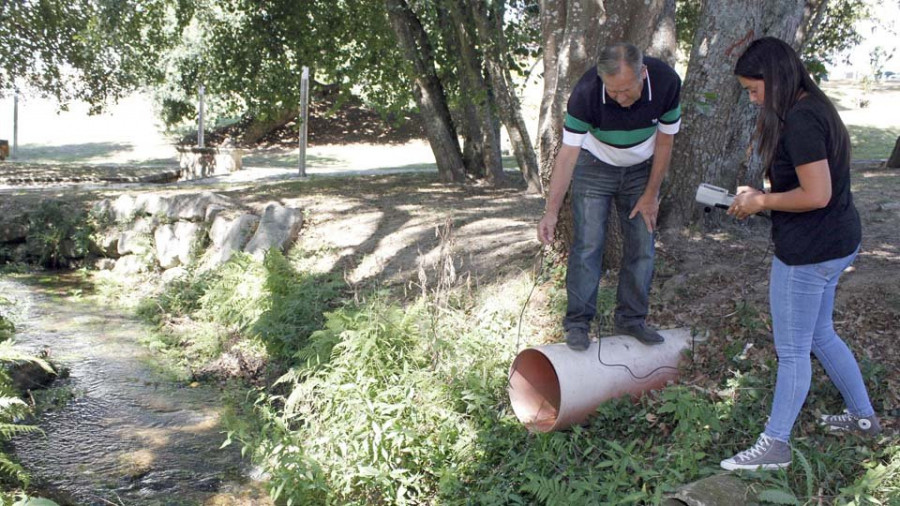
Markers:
{"x": 648, "y": 204}
{"x": 560, "y": 177}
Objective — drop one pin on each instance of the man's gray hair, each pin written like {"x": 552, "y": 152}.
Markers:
{"x": 611, "y": 58}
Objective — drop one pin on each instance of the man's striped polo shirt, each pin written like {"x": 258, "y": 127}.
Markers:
{"x": 623, "y": 136}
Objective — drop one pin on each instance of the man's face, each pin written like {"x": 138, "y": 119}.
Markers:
{"x": 626, "y": 86}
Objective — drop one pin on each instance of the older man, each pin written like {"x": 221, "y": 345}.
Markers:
{"x": 620, "y": 124}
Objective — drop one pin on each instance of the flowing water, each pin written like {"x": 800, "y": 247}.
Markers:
{"x": 123, "y": 432}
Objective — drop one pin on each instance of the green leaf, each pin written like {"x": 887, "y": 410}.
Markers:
{"x": 34, "y": 501}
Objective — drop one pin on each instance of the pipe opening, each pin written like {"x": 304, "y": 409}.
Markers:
{"x": 534, "y": 391}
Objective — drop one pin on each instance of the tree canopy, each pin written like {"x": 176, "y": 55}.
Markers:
{"x": 249, "y": 54}
{"x": 88, "y": 50}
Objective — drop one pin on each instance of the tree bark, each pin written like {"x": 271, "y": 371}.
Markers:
{"x": 714, "y": 145}
{"x": 481, "y": 151}
{"x": 489, "y": 24}
{"x": 259, "y": 128}
{"x": 572, "y": 32}
{"x": 428, "y": 91}
{"x": 893, "y": 161}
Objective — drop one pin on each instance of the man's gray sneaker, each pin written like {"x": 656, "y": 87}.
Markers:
{"x": 577, "y": 339}
{"x": 845, "y": 422}
{"x": 767, "y": 454}
{"x": 641, "y": 332}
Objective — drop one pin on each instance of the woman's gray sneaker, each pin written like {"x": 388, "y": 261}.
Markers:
{"x": 845, "y": 422}
{"x": 767, "y": 453}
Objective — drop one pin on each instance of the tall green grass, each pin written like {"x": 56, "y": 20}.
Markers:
{"x": 268, "y": 303}
{"x": 394, "y": 402}
{"x": 387, "y": 404}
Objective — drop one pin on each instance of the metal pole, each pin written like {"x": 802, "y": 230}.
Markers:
{"x": 200, "y": 118}
{"x": 304, "y": 117}
{"x": 15, "y": 146}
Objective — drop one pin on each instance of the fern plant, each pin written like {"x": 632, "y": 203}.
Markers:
{"x": 12, "y": 408}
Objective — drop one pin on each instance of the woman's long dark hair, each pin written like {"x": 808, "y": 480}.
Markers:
{"x": 785, "y": 78}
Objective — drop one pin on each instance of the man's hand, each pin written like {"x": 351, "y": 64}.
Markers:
{"x": 547, "y": 228}
{"x": 648, "y": 206}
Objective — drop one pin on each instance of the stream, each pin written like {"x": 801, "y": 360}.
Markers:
{"x": 121, "y": 431}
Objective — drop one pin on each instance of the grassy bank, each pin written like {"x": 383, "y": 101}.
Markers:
{"x": 386, "y": 399}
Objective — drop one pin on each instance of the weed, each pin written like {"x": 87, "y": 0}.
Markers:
{"x": 58, "y": 233}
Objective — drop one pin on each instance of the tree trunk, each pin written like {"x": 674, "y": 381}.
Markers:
{"x": 573, "y": 31}
{"x": 482, "y": 153}
{"x": 714, "y": 145}
{"x": 893, "y": 161}
{"x": 489, "y": 23}
{"x": 259, "y": 128}
{"x": 428, "y": 91}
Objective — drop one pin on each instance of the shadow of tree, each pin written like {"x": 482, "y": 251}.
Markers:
{"x": 381, "y": 227}
{"x": 70, "y": 152}
{"x": 297, "y": 305}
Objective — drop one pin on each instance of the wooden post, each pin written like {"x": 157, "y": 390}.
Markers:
{"x": 304, "y": 118}
{"x": 200, "y": 118}
{"x": 15, "y": 146}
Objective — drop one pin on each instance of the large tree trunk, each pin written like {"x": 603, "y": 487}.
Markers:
{"x": 489, "y": 22}
{"x": 893, "y": 160}
{"x": 260, "y": 127}
{"x": 714, "y": 144}
{"x": 481, "y": 151}
{"x": 428, "y": 90}
{"x": 573, "y": 31}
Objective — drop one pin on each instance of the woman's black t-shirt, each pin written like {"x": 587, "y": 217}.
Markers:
{"x": 834, "y": 231}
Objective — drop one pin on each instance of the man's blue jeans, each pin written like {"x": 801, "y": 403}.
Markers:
{"x": 595, "y": 187}
{"x": 802, "y": 302}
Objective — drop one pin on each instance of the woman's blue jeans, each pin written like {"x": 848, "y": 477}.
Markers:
{"x": 802, "y": 302}
{"x": 595, "y": 187}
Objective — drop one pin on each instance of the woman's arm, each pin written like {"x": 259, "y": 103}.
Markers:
{"x": 813, "y": 193}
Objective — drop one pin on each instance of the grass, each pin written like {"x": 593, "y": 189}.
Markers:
{"x": 873, "y": 128}
{"x": 872, "y": 143}
{"x": 390, "y": 401}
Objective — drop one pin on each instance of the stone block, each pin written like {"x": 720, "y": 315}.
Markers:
{"x": 278, "y": 227}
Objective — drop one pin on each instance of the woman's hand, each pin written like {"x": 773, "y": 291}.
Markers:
{"x": 747, "y": 202}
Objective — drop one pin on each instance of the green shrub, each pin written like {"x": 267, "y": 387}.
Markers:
{"x": 370, "y": 426}
{"x": 266, "y": 302}
{"x": 58, "y": 232}
{"x": 407, "y": 404}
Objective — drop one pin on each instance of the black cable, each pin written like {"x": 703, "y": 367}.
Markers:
{"x": 540, "y": 269}
{"x": 625, "y": 366}
{"x": 540, "y": 257}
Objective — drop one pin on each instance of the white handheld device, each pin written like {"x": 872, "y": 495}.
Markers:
{"x": 713, "y": 196}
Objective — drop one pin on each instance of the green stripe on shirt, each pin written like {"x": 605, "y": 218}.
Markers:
{"x": 671, "y": 116}
{"x": 612, "y": 137}
{"x": 624, "y": 137}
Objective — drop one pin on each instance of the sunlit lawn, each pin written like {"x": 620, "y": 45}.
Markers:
{"x": 127, "y": 135}
{"x": 873, "y": 124}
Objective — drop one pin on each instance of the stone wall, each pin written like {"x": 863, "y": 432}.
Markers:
{"x": 166, "y": 233}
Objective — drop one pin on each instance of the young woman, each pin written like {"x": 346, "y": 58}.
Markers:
{"x": 816, "y": 230}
